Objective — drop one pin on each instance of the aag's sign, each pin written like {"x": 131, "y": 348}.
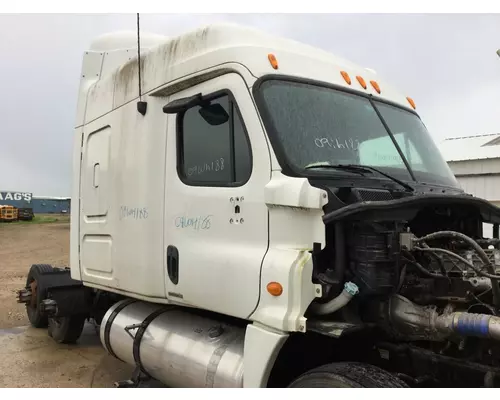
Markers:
{"x": 15, "y": 196}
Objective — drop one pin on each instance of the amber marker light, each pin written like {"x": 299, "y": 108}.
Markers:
{"x": 375, "y": 86}
{"x": 346, "y": 77}
{"x": 361, "y": 81}
{"x": 412, "y": 103}
{"x": 274, "y": 289}
{"x": 273, "y": 61}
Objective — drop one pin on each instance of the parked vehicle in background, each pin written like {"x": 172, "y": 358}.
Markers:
{"x": 8, "y": 213}
{"x": 25, "y": 214}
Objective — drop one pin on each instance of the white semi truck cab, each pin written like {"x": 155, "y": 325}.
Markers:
{"x": 248, "y": 211}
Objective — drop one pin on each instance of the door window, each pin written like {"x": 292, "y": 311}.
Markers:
{"x": 214, "y": 149}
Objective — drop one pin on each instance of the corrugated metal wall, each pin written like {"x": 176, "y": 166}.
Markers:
{"x": 16, "y": 203}
{"x": 50, "y": 206}
{"x": 16, "y": 199}
{"x": 481, "y": 178}
{"x": 486, "y": 187}
{"x": 40, "y": 205}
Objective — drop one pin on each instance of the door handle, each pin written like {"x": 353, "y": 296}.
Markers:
{"x": 173, "y": 264}
{"x": 97, "y": 170}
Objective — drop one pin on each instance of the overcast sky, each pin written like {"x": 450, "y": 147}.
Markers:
{"x": 447, "y": 63}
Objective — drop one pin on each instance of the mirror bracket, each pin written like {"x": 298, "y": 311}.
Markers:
{"x": 180, "y": 105}
{"x": 214, "y": 114}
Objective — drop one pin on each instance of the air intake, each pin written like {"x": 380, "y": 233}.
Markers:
{"x": 372, "y": 195}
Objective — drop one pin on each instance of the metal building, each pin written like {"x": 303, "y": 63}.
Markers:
{"x": 50, "y": 205}
{"x": 16, "y": 199}
{"x": 475, "y": 161}
{"x": 39, "y": 204}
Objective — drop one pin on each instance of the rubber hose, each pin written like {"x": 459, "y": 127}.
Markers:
{"x": 350, "y": 290}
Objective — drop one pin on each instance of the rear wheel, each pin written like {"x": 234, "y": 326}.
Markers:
{"x": 66, "y": 329}
{"x": 347, "y": 375}
{"x": 33, "y": 280}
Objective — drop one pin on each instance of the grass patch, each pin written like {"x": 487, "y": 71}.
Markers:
{"x": 41, "y": 219}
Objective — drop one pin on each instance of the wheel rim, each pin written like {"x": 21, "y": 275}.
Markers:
{"x": 32, "y": 306}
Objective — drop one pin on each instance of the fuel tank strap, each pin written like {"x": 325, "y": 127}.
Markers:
{"x": 140, "y": 333}
{"x": 109, "y": 323}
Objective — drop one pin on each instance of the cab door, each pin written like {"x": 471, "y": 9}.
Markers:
{"x": 216, "y": 220}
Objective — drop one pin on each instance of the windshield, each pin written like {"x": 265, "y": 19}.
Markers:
{"x": 316, "y": 125}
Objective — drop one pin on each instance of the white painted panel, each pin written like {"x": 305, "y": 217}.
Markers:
{"x": 95, "y": 170}
{"x": 97, "y": 255}
{"x": 133, "y": 197}
{"x": 220, "y": 249}
{"x": 75, "y": 206}
{"x": 90, "y": 73}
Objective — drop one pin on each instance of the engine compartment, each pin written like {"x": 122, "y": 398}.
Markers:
{"x": 426, "y": 277}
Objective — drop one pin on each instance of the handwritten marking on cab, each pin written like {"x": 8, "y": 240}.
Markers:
{"x": 196, "y": 223}
{"x": 348, "y": 144}
{"x": 216, "y": 165}
{"x": 133, "y": 212}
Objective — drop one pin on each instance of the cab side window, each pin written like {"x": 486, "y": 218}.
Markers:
{"x": 213, "y": 145}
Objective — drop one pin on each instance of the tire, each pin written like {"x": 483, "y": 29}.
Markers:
{"x": 347, "y": 375}
{"x": 66, "y": 329}
{"x": 36, "y": 319}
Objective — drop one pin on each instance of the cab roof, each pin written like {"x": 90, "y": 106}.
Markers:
{"x": 165, "y": 60}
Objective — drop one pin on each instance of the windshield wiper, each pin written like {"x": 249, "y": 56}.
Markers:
{"x": 347, "y": 167}
{"x": 361, "y": 169}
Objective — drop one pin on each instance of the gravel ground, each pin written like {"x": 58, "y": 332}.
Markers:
{"x": 22, "y": 245}
{"x": 29, "y": 357}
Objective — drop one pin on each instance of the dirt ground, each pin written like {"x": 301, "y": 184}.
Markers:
{"x": 22, "y": 245}
{"x": 29, "y": 358}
